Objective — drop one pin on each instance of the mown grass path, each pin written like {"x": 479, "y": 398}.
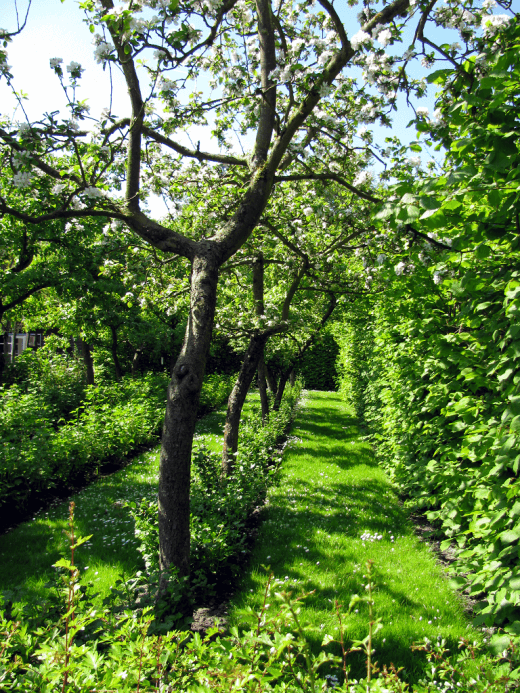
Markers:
{"x": 333, "y": 510}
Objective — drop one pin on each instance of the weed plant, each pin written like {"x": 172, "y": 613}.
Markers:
{"x": 71, "y": 639}
{"x": 83, "y": 649}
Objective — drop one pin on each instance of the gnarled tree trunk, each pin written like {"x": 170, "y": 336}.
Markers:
{"x": 181, "y": 415}
{"x": 237, "y": 398}
{"x": 262, "y": 389}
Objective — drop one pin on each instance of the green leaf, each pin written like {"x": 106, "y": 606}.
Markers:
{"x": 510, "y": 535}
{"x": 438, "y": 77}
{"x": 82, "y": 540}
{"x": 457, "y": 583}
{"x": 429, "y": 202}
{"x": 482, "y": 251}
{"x": 63, "y": 563}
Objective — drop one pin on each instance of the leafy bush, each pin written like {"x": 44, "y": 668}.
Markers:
{"x": 437, "y": 354}
{"x": 113, "y": 420}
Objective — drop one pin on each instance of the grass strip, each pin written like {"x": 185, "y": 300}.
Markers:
{"x": 333, "y": 510}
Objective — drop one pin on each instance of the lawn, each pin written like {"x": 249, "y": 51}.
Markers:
{"x": 333, "y": 510}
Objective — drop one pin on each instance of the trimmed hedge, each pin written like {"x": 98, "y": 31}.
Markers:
{"x": 37, "y": 454}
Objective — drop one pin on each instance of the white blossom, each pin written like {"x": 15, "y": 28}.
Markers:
{"x": 384, "y": 37}
{"x": 400, "y": 268}
{"x": 437, "y": 277}
{"x": 93, "y": 193}
{"x": 423, "y": 111}
{"x": 493, "y": 23}
{"x": 380, "y": 258}
{"x": 102, "y": 52}
{"x": 359, "y": 39}
{"x": 74, "y": 69}
{"x": 362, "y": 178}
{"x": 55, "y": 62}
{"x": 22, "y": 179}
{"x": 308, "y": 211}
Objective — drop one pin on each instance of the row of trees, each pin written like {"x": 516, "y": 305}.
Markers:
{"x": 261, "y": 243}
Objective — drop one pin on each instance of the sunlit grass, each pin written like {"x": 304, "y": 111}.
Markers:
{"x": 333, "y": 511}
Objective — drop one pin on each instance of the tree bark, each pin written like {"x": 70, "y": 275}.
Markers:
{"x": 86, "y": 353}
{"x": 181, "y": 415}
{"x": 115, "y": 358}
{"x": 13, "y": 350}
{"x": 135, "y": 361}
{"x": 262, "y": 389}
{"x": 271, "y": 380}
{"x": 237, "y": 398}
{"x": 284, "y": 377}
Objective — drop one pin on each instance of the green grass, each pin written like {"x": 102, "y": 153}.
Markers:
{"x": 28, "y": 552}
{"x": 331, "y": 494}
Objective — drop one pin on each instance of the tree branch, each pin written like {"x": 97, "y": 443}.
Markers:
{"x": 192, "y": 153}
{"x": 267, "y": 117}
{"x": 334, "y": 177}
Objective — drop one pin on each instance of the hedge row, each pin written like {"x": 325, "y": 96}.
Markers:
{"x": 38, "y": 453}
